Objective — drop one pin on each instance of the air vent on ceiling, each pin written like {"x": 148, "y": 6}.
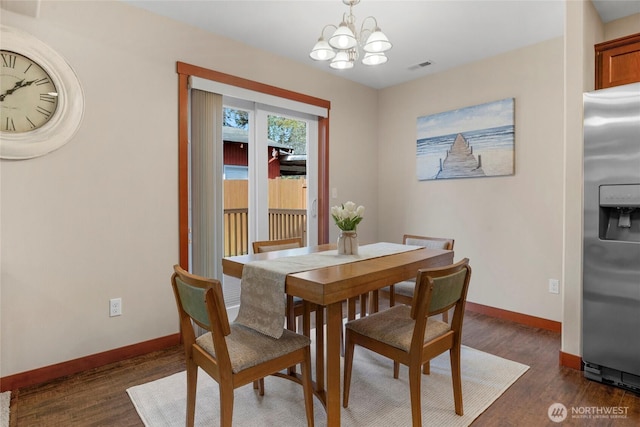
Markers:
{"x": 420, "y": 65}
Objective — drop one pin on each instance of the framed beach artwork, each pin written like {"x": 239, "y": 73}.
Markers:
{"x": 469, "y": 142}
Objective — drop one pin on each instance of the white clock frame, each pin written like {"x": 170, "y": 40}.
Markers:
{"x": 66, "y": 119}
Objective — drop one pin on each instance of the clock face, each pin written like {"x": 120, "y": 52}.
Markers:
{"x": 41, "y": 99}
{"x": 28, "y": 95}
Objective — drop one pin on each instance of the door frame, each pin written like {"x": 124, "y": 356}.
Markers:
{"x": 184, "y": 71}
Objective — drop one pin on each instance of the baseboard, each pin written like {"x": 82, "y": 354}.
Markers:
{"x": 568, "y": 360}
{"x": 523, "y": 319}
{"x": 48, "y": 373}
{"x": 571, "y": 361}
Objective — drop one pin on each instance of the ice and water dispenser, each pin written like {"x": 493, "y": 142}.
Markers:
{"x": 620, "y": 212}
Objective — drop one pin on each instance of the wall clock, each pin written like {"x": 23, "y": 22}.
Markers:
{"x": 41, "y": 100}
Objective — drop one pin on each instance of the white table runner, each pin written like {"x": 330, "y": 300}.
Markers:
{"x": 262, "y": 293}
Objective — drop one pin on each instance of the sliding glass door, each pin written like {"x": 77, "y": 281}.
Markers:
{"x": 270, "y": 175}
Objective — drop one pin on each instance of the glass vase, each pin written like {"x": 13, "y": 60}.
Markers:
{"x": 348, "y": 243}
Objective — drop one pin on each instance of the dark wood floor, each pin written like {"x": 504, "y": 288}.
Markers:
{"x": 98, "y": 397}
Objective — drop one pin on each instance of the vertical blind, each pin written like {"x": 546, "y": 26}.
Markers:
{"x": 206, "y": 183}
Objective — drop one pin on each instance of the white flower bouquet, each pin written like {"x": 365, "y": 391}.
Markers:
{"x": 347, "y": 216}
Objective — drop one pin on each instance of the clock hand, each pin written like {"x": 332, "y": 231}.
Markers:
{"x": 13, "y": 89}
{"x": 17, "y": 86}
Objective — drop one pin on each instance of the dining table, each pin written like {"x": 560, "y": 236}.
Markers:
{"x": 328, "y": 287}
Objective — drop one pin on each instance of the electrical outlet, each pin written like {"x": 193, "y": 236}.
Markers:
{"x": 115, "y": 307}
{"x": 554, "y": 286}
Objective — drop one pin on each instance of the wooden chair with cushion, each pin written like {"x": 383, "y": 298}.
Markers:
{"x": 408, "y": 335}
{"x": 402, "y": 292}
{"x": 232, "y": 354}
{"x": 296, "y": 307}
{"x": 276, "y": 245}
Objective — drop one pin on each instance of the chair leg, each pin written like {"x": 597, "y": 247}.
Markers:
{"x": 351, "y": 308}
{"x": 454, "y": 355}
{"x": 374, "y": 302}
{"x": 305, "y": 368}
{"x": 351, "y": 315}
{"x": 396, "y": 369}
{"x": 342, "y": 329}
{"x": 320, "y": 345}
{"x": 291, "y": 318}
{"x": 348, "y": 364}
{"x": 426, "y": 368}
{"x": 392, "y": 296}
{"x": 445, "y": 317}
{"x": 192, "y": 381}
{"x": 226, "y": 404}
{"x": 291, "y": 324}
{"x": 306, "y": 318}
{"x": 415, "y": 379}
{"x": 363, "y": 305}
{"x": 259, "y": 385}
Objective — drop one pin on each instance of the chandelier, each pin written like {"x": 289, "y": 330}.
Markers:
{"x": 343, "y": 47}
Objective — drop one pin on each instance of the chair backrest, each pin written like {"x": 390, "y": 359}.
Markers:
{"x": 429, "y": 242}
{"x": 276, "y": 245}
{"x": 200, "y": 300}
{"x": 439, "y": 289}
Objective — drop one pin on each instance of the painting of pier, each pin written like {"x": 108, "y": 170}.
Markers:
{"x": 470, "y": 142}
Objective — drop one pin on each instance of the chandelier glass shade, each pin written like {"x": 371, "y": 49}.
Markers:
{"x": 343, "y": 46}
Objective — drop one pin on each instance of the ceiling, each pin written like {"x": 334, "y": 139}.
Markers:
{"x": 447, "y": 33}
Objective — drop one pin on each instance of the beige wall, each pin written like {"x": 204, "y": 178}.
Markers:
{"x": 98, "y": 218}
{"x": 509, "y": 227}
{"x": 622, "y": 27}
{"x": 581, "y": 32}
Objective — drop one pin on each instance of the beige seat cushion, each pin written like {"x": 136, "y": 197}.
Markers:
{"x": 248, "y": 347}
{"x": 395, "y": 327}
{"x": 405, "y": 288}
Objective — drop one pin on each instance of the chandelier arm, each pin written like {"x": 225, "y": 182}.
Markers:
{"x": 325, "y": 27}
{"x": 371, "y": 31}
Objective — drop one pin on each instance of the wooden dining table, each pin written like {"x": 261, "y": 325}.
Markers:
{"x": 329, "y": 287}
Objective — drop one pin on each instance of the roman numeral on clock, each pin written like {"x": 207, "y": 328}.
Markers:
{"x": 8, "y": 60}
{"x": 43, "y": 111}
{"x": 9, "y": 125}
{"x": 47, "y": 98}
{"x": 42, "y": 81}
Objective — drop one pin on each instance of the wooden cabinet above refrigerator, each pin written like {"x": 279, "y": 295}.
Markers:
{"x": 618, "y": 61}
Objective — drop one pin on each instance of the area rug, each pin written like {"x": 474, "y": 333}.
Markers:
{"x": 5, "y": 401}
{"x": 376, "y": 398}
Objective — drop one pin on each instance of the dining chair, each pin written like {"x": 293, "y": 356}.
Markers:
{"x": 232, "y": 354}
{"x": 410, "y": 336}
{"x": 296, "y": 307}
{"x": 276, "y": 245}
{"x": 402, "y": 292}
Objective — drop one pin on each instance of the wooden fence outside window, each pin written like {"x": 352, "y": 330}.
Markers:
{"x": 283, "y": 224}
{"x": 287, "y": 212}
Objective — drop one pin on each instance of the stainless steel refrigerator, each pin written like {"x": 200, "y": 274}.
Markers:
{"x": 611, "y": 238}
